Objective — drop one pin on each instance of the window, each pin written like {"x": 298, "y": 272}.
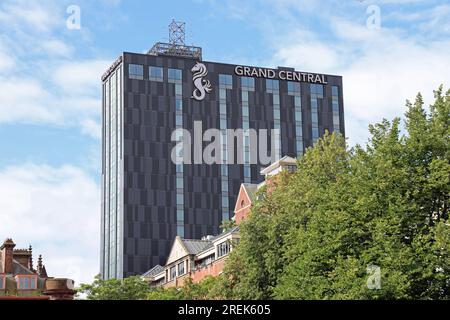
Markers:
{"x": 226, "y": 80}
{"x": 178, "y": 90}
{"x": 136, "y": 71}
{"x": 180, "y": 230}
{"x": 248, "y": 83}
{"x": 315, "y": 133}
{"x": 225, "y": 200}
{"x": 293, "y": 87}
{"x": 247, "y": 172}
{"x": 174, "y": 75}
{"x": 179, "y": 120}
{"x": 334, "y": 91}
{"x": 180, "y": 183}
{"x": 155, "y": 73}
{"x": 26, "y": 282}
{"x": 2, "y": 282}
{"x": 272, "y": 85}
{"x": 317, "y": 89}
{"x": 223, "y": 249}
{"x": 173, "y": 272}
{"x": 180, "y": 215}
{"x": 335, "y": 108}
{"x": 245, "y": 96}
{"x": 181, "y": 268}
{"x": 179, "y": 104}
{"x": 224, "y": 186}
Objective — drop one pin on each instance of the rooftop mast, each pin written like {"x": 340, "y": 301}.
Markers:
{"x": 176, "y": 46}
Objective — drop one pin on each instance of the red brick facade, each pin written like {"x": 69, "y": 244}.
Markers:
{"x": 214, "y": 269}
{"x": 243, "y": 205}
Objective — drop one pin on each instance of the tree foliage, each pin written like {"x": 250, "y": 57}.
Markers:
{"x": 385, "y": 205}
{"x": 132, "y": 288}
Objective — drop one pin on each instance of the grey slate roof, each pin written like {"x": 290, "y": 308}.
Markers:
{"x": 154, "y": 271}
{"x": 195, "y": 246}
{"x": 20, "y": 269}
{"x": 17, "y": 269}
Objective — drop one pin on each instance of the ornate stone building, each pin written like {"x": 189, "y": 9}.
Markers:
{"x": 19, "y": 279}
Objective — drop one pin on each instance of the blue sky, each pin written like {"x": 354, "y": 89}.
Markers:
{"x": 50, "y": 88}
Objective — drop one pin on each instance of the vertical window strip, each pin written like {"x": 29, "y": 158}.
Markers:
{"x": 113, "y": 165}
{"x": 335, "y": 108}
{"x": 107, "y": 193}
{"x": 273, "y": 87}
{"x": 175, "y": 77}
{"x": 119, "y": 222}
{"x": 225, "y": 82}
{"x": 295, "y": 91}
{"x": 316, "y": 94}
{"x": 247, "y": 85}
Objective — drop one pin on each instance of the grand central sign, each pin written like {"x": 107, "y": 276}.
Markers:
{"x": 280, "y": 74}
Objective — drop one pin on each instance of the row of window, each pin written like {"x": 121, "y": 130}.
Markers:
{"x": 177, "y": 271}
{"x": 223, "y": 249}
{"x": 23, "y": 282}
{"x": 136, "y": 71}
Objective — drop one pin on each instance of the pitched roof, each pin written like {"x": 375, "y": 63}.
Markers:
{"x": 20, "y": 269}
{"x": 195, "y": 246}
{"x": 154, "y": 271}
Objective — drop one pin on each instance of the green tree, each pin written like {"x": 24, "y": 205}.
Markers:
{"x": 315, "y": 234}
{"x": 131, "y": 288}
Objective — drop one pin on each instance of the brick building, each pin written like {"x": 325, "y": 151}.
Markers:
{"x": 19, "y": 279}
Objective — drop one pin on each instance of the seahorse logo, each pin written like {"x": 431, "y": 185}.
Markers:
{"x": 202, "y": 86}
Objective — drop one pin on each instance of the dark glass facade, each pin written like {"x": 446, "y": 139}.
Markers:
{"x": 147, "y": 199}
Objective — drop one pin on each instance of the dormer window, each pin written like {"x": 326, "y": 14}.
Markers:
{"x": 26, "y": 282}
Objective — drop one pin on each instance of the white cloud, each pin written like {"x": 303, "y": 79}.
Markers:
{"x": 308, "y": 55}
{"x": 380, "y": 69}
{"x": 81, "y": 77}
{"x": 7, "y": 62}
{"x": 48, "y": 86}
{"x": 54, "y": 47}
{"x": 56, "y": 209}
{"x": 25, "y": 100}
{"x": 36, "y": 16}
{"x": 71, "y": 98}
{"x": 91, "y": 128}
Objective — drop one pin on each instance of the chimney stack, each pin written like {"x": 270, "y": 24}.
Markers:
{"x": 7, "y": 253}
